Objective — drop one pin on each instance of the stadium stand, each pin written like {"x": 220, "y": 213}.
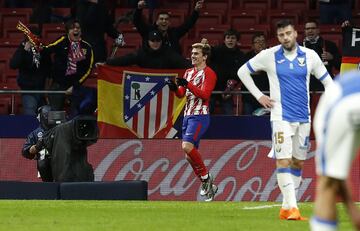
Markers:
{"x": 247, "y": 16}
{"x": 244, "y": 18}
{"x": 299, "y": 5}
{"x": 257, "y": 4}
{"x": 52, "y": 31}
{"x": 213, "y": 17}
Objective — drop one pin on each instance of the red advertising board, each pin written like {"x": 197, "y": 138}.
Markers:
{"x": 241, "y": 168}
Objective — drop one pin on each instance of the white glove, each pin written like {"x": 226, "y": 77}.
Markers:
{"x": 119, "y": 41}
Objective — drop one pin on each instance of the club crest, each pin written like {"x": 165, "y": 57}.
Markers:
{"x": 301, "y": 61}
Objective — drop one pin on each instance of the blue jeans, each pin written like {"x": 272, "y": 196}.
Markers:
{"x": 31, "y": 102}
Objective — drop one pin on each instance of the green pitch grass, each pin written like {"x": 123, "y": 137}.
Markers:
{"x": 150, "y": 215}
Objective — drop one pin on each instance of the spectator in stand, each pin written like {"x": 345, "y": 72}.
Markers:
{"x": 95, "y": 22}
{"x": 327, "y": 50}
{"x": 34, "y": 69}
{"x": 73, "y": 61}
{"x": 334, "y": 11}
{"x": 171, "y": 35}
{"x": 152, "y": 55}
{"x": 250, "y": 104}
{"x": 225, "y": 60}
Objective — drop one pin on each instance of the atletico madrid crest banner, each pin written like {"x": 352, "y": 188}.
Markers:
{"x": 137, "y": 103}
{"x": 351, "y": 49}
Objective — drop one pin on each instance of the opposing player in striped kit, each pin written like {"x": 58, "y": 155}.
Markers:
{"x": 288, "y": 67}
{"x": 337, "y": 130}
{"x": 197, "y": 85}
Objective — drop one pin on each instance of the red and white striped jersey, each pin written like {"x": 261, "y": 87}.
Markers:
{"x": 200, "y": 86}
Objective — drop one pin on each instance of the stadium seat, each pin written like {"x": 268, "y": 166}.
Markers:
{"x": 122, "y": 12}
{"x": 356, "y": 17}
{"x": 273, "y": 16}
{"x": 213, "y": 17}
{"x": 8, "y": 46}
{"x": 176, "y": 4}
{"x": 301, "y": 5}
{"x": 212, "y": 33}
{"x": 244, "y": 18}
{"x": 10, "y": 16}
{"x": 5, "y": 103}
{"x": 332, "y": 33}
{"x": 61, "y": 12}
{"x": 52, "y": 31}
{"x": 246, "y": 33}
{"x": 311, "y": 15}
{"x": 10, "y": 76}
{"x": 223, "y": 5}
{"x": 130, "y": 33}
{"x": 256, "y": 4}
{"x": 4, "y": 64}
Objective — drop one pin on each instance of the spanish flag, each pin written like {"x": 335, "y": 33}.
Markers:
{"x": 137, "y": 103}
{"x": 351, "y": 49}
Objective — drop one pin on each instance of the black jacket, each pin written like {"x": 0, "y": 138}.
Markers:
{"x": 145, "y": 57}
{"x": 30, "y": 77}
{"x": 95, "y": 23}
{"x": 173, "y": 35}
{"x": 60, "y": 48}
{"x": 330, "y": 47}
{"x": 225, "y": 62}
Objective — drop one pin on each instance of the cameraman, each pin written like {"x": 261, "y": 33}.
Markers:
{"x": 34, "y": 145}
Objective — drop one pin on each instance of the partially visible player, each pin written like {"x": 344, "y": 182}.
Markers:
{"x": 197, "y": 85}
{"x": 288, "y": 67}
{"x": 337, "y": 130}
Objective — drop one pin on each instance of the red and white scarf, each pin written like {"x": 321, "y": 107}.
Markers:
{"x": 75, "y": 54}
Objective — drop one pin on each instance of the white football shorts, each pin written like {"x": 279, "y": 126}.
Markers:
{"x": 290, "y": 139}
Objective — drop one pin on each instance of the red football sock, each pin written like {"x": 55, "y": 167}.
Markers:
{"x": 197, "y": 163}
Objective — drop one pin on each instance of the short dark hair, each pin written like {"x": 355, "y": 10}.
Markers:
{"x": 257, "y": 35}
{"x": 163, "y": 12}
{"x": 312, "y": 21}
{"x": 231, "y": 32}
{"x": 284, "y": 23}
{"x": 70, "y": 24}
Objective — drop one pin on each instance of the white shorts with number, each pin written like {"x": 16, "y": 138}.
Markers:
{"x": 337, "y": 130}
{"x": 290, "y": 139}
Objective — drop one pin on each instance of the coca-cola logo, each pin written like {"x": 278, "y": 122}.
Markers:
{"x": 242, "y": 172}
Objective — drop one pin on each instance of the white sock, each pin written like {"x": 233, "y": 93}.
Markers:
{"x": 317, "y": 224}
{"x": 296, "y": 176}
{"x": 286, "y": 185}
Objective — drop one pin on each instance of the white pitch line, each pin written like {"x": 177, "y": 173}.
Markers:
{"x": 261, "y": 207}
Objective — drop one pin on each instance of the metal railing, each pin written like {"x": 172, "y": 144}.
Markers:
{"x": 237, "y": 93}
{"x": 14, "y": 92}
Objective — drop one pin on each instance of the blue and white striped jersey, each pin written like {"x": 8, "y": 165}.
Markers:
{"x": 289, "y": 76}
